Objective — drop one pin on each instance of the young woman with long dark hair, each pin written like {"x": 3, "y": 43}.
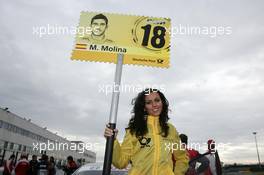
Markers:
{"x": 150, "y": 141}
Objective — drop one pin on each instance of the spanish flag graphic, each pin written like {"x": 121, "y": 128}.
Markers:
{"x": 81, "y": 46}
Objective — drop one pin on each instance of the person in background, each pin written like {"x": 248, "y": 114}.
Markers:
{"x": 71, "y": 166}
{"x": 194, "y": 158}
{"x": 215, "y": 167}
{"x": 51, "y": 166}
{"x": 43, "y": 165}
{"x": 149, "y": 139}
{"x": 9, "y": 165}
{"x": 33, "y": 165}
{"x": 22, "y": 166}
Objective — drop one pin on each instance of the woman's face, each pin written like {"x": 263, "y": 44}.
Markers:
{"x": 153, "y": 104}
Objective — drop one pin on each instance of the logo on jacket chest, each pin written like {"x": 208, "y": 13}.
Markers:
{"x": 144, "y": 142}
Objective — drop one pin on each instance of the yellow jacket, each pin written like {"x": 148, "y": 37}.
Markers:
{"x": 151, "y": 154}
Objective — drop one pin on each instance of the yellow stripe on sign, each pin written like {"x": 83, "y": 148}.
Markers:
{"x": 94, "y": 56}
{"x": 111, "y": 58}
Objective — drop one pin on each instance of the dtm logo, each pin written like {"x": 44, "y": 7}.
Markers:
{"x": 144, "y": 142}
{"x": 160, "y": 61}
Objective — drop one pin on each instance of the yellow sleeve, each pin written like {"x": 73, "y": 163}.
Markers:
{"x": 180, "y": 156}
{"x": 122, "y": 153}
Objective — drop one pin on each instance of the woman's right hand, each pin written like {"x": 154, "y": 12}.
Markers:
{"x": 110, "y": 132}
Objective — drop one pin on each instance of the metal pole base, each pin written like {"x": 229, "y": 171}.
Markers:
{"x": 109, "y": 151}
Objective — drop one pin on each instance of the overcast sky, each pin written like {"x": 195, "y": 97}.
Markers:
{"x": 215, "y": 84}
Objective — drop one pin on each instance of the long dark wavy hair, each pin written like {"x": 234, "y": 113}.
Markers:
{"x": 138, "y": 123}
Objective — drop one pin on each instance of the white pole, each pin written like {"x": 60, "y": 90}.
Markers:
{"x": 113, "y": 116}
{"x": 255, "y": 133}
